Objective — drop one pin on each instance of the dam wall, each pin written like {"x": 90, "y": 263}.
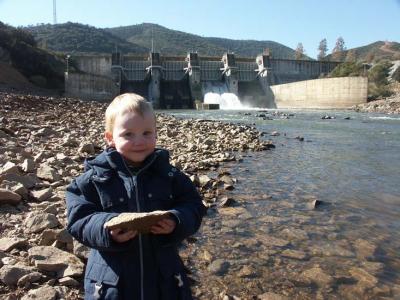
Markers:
{"x": 179, "y": 82}
{"x": 290, "y": 70}
{"x": 89, "y": 86}
{"x": 326, "y": 93}
{"x": 94, "y": 64}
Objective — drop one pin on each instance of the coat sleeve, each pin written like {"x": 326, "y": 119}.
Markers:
{"x": 86, "y": 218}
{"x": 188, "y": 209}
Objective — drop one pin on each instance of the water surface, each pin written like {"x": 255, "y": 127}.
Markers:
{"x": 349, "y": 247}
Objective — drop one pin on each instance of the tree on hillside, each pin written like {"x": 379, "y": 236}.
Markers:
{"x": 337, "y": 51}
{"x": 378, "y": 84}
{"x": 299, "y": 51}
{"x": 323, "y": 49}
{"x": 351, "y": 56}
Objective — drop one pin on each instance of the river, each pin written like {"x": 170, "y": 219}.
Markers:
{"x": 275, "y": 241}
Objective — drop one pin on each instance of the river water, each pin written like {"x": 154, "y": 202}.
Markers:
{"x": 274, "y": 241}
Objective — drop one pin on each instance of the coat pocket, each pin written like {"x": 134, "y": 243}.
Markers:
{"x": 101, "y": 282}
{"x": 112, "y": 193}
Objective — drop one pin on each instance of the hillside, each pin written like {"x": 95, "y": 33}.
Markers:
{"x": 175, "y": 42}
{"x": 22, "y": 60}
{"x": 74, "y": 37}
{"x": 11, "y": 78}
{"x": 372, "y": 53}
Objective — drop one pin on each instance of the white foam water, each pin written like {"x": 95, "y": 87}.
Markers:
{"x": 217, "y": 93}
{"x": 385, "y": 118}
{"x": 225, "y": 100}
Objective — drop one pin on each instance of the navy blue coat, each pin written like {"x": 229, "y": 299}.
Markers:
{"x": 148, "y": 266}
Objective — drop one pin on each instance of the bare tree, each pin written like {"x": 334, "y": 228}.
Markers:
{"x": 337, "y": 52}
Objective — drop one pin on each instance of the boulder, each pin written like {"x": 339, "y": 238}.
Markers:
{"x": 364, "y": 249}
{"x": 43, "y": 293}
{"x": 271, "y": 241}
{"x": 38, "y": 221}
{"x": 16, "y": 187}
{"x": 68, "y": 281}
{"x": 80, "y": 250}
{"x": 27, "y": 279}
{"x": 49, "y": 236}
{"x": 318, "y": 276}
{"x": 204, "y": 180}
{"x": 271, "y": 296}
{"x": 48, "y": 258}
{"x": 28, "y": 181}
{"x": 10, "y": 274}
{"x": 9, "y": 168}
{"x": 295, "y": 254}
{"x": 87, "y": 148}
{"x": 7, "y": 244}
{"x": 45, "y": 132}
{"x": 247, "y": 272}
{"x": 42, "y": 195}
{"x": 46, "y": 172}
{"x": 363, "y": 277}
{"x": 9, "y": 197}
{"x": 219, "y": 267}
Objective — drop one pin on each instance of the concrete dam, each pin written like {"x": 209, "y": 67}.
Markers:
{"x": 179, "y": 82}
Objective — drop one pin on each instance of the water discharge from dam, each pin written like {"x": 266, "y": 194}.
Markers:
{"x": 218, "y": 93}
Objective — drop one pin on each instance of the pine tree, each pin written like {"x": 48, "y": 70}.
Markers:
{"x": 299, "y": 51}
{"x": 323, "y": 49}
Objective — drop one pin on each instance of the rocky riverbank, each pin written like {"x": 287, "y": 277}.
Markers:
{"x": 387, "y": 106}
{"x": 43, "y": 143}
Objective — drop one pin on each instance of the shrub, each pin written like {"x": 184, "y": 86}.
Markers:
{"x": 378, "y": 86}
{"x": 377, "y": 92}
{"x": 348, "y": 69}
{"x": 379, "y": 73}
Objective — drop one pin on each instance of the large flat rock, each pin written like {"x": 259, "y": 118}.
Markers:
{"x": 142, "y": 222}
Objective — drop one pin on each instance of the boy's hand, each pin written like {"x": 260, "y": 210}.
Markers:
{"x": 120, "y": 236}
{"x": 164, "y": 226}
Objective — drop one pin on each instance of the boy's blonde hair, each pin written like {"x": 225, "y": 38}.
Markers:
{"x": 128, "y": 102}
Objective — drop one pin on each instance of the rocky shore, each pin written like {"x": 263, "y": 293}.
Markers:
{"x": 43, "y": 143}
{"x": 387, "y": 106}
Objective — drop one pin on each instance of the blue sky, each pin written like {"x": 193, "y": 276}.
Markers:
{"x": 359, "y": 22}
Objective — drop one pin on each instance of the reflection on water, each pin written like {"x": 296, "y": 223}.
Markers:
{"x": 274, "y": 241}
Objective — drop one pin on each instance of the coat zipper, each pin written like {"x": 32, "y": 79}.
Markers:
{"x": 134, "y": 180}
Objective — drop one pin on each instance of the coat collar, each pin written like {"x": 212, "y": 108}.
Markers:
{"x": 111, "y": 160}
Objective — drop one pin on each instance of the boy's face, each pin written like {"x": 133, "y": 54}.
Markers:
{"x": 133, "y": 136}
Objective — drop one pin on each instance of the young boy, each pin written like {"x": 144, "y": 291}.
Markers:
{"x": 131, "y": 175}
